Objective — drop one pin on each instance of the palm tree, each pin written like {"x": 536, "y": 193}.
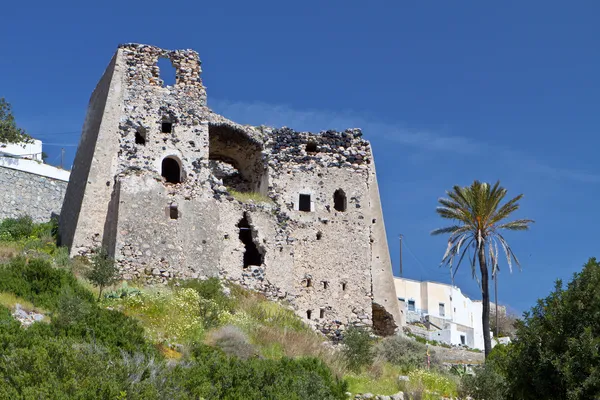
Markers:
{"x": 479, "y": 219}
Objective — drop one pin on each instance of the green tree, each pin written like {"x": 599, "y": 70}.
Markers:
{"x": 479, "y": 219}
{"x": 9, "y": 131}
{"x": 556, "y": 353}
{"x": 104, "y": 271}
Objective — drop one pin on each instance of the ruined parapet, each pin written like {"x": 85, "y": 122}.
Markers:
{"x": 157, "y": 179}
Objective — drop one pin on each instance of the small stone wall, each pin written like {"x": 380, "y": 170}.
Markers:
{"x": 24, "y": 193}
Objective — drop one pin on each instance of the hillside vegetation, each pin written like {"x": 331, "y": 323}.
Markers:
{"x": 190, "y": 340}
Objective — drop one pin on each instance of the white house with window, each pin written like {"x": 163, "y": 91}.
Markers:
{"x": 451, "y": 317}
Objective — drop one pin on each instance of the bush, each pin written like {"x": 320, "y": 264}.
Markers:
{"x": 16, "y": 228}
{"x": 358, "y": 348}
{"x": 36, "y": 281}
{"x": 486, "y": 384}
{"x": 233, "y": 342}
{"x": 104, "y": 271}
{"x": 406, "y": 353}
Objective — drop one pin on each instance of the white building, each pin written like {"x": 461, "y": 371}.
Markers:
{"x": 27, "y": 157}
{"x": 450, "y": 316}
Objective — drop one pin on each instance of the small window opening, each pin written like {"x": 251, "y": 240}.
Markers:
{"x": 322, "y": 313}
{"x": 166, "y": 71}
{"x": 325, "y": 284}
{"x": 343, "y": 285}
{"x": 442, "y": 310}
{"x": 319, "y": 235}
{"x": 173, "y": 212}
{"x": 171, "y": 170}
{"x": 308, "y": 314}
{"x": 166, "y": 127}
{"x": 252, "y": 255}
{"x": 411, "y": 305}
{"x": 339, "y": 200}
{"x": 463, "y": 340}
{"x": 308, "y": 282}
{"x": 304, "y": 202}
{"x": 140, "y": 137}
{"x": 311, "y": 147}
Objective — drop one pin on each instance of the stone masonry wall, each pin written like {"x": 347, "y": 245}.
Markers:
{"x": 161, "y": 226}
{"x": 24, "y": 193}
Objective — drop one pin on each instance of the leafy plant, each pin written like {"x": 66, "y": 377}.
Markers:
{"x": 406, "y": 353}
{"x": 9, "y": 131}
{"x": 358, "y": 348}
{"x": 104, "y": 272}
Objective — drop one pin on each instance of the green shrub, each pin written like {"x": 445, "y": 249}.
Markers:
{"x": 104, "y": 271}
{"x": 405, "y": 353}
{"x": 36, "y": 281}
{"x": 486, "y": 384}
{"x": 358, "y": 348}
{"x": 16, "y": 228}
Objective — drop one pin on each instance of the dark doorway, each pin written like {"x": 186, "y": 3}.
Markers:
{"x": 170, "y": 170}
{"x": 252, "y": 255}
{"x": 339, "y": 200}
{"x": 304, "y": 202}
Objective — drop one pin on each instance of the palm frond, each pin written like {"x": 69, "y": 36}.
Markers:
{"x": 454, "y": 229}
{"x": 450, "y": 213}
{"x": 508, "y": 208}
{"x": 516, "y": 225}
{"x": 509, "y": 250}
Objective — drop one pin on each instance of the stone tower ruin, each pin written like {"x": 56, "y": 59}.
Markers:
{"x": 173, "y": 190}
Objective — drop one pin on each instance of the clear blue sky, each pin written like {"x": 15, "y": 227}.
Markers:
{"x": 446, "y": 91}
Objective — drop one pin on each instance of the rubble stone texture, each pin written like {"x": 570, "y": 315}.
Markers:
{"x": 23, "y": 193}
{"x": 156, "y": 180}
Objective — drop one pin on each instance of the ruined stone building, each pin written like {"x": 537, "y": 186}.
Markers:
{"x": 173, "y": 190}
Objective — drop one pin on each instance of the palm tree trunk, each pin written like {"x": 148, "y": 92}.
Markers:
{"x": 485, "y": 300}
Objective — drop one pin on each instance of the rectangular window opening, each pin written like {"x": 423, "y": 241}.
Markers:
{"x": 304, "y": 202}
{"x": 308, "y": 282}
{"x": 411, "y": 305}
{"x": 166, "y": 127}
{"x": 308, "y": 314}
{"x": 463, "y": 340}
{"x": 325, "y": 284}
{"x": 173, "y": 212}
{"x": 343, "y": 285}
{"x": 442, "y": 310}
{"x": 322, "y": 313}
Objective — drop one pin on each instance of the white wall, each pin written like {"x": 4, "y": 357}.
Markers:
{"x": 30, "y": 150}
{"x": 34, "y": 167}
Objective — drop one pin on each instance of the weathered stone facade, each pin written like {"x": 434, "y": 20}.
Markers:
{"x": 25, "y": 193}
{"x": 155, "y": 181}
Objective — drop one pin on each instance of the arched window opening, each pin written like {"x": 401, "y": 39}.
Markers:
{"x": 171, "y": 170}
{"x": 166, "y": 71}
{"x": 311, "y": 147}
{"x": 252, "y": 255}
{"x": 339, "y": 200}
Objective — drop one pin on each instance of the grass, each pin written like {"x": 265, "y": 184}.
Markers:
{"x": 9, "y": 250}
{"x": 246, "y": 197}
{"x": 381, "y": 379}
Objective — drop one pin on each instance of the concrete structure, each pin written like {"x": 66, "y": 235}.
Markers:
{"x": 157, "y": 178}
{"x": 29, "y": 187}
{"x": 451, "y": 316}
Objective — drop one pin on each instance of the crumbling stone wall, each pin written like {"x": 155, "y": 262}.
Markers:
{"x": 24, "y": 193}
{"x": 301, "y": 244}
